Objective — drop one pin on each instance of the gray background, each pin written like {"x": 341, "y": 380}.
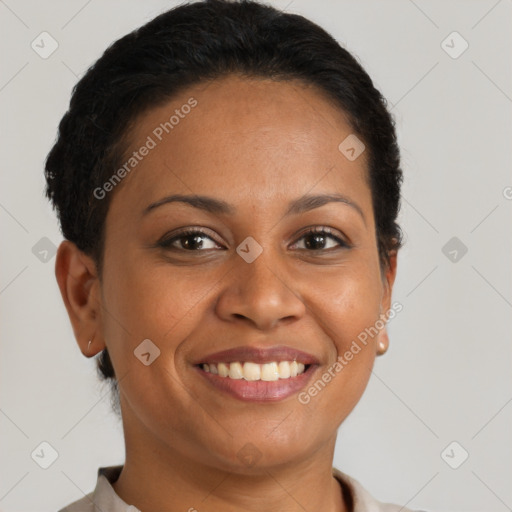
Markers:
{"x": 447, "y": 374}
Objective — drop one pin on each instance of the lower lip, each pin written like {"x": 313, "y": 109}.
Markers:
{"x": 259, "y": 390}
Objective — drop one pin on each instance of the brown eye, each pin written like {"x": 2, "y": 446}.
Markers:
{"x": 190, "y": 240}
{"x": 316, "y": 239}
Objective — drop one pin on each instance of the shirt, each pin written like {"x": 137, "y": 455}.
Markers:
{"x": 105, "y": 499}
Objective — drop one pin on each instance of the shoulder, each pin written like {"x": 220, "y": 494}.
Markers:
{"x": 103, "y": 497}
{"x": 85, "y": 504}
{"x": 362, "y": 500}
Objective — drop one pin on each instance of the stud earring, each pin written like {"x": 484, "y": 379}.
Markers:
{"x": 383, "y": 343}
{"x": 382, "y": 347}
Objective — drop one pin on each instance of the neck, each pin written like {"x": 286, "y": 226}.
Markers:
{"x": 157, "y": 476}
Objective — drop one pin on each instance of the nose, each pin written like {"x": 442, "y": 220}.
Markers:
{"x": 260, "y": 293}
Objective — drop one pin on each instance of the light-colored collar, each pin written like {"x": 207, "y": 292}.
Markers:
{"x": 362, "y": 500}
{"x": 105, "y": 499}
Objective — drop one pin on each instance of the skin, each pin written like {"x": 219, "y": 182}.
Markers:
{"x": 256, "y": 144}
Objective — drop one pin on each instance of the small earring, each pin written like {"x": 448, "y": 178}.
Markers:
{"x": 383, "y": 343}
{"x": 89, "y": 344}
{"x": 382, "y": 347}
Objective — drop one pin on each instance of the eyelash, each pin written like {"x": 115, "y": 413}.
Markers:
{"x": 167, "y": 243}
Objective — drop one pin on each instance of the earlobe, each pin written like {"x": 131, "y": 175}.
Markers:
{"x": 79, "y": 286}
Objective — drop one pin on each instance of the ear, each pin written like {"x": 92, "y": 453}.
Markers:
{"x": 388, "y": 279}
{"x": 80, "y": 289}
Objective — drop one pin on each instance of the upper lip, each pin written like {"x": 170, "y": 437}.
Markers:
{"x": 259, "y": 355}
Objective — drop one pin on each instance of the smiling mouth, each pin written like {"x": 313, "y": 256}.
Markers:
{"x": 251, "y": 371}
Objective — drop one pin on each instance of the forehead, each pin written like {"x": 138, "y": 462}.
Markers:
{"x": 245, "y": 138}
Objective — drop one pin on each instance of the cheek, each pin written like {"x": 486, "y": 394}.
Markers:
{"x": 345, "y": 302}
{"x": 148, "y": 300}
{"x": 346, "y": 310}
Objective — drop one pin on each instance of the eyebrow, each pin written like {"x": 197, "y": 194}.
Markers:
{"x": 219, "y": 207}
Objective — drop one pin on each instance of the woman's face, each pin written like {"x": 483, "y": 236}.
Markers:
{"x": 256, "y": 277}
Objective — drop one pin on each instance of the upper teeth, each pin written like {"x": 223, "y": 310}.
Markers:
{"x": 255, "y": 371}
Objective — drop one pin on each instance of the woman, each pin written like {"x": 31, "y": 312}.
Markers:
{"x": 227, "y": 181}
